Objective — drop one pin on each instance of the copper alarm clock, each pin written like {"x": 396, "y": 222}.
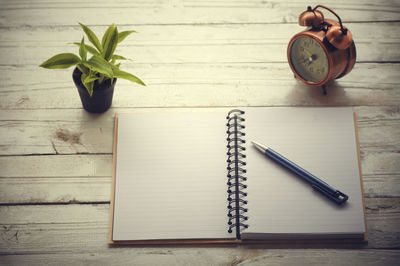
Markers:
{"x": 323, "y": 52}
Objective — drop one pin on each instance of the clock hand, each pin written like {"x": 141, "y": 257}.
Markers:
{"x": 302, "y": 60}
{"x": 307, "y": 52}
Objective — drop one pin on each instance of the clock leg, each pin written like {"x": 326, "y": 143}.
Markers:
{"x": 324, "y": 90}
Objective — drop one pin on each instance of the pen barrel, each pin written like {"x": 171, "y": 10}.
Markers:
{"x": 302, "y": 173}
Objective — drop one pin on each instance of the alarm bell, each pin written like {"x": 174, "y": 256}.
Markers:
{"x": 336, "y": 34}
{"x": 339, "y": 37}
{"x": 311, "y": 18}
{"x": 324, "y": 51}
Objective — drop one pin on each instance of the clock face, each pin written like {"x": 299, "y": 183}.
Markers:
{"x": 309, "y": 59}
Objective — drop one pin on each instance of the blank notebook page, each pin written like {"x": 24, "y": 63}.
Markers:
{"x": 171, "y": 176}
{"x": 320, "y": 140}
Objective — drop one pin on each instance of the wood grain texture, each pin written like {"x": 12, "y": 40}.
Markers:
{"x": 56, "y": 159}
{"x": 194, "y": 44}
{"x": 24, "y": 13}
{"x": 62, "y": 132}
{"x": 237, "y": 85}
{"x": 55, "y": 180}
{"x": 210, "y": 256}
{"x": 84, "y": 228}
{"x": 379, "y": 76}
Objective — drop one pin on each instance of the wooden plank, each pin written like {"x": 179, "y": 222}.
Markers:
{"x": 269, "y": 93}
{"x": 58, "y": 190}
{"x": 30, "y": 180}
{"x": 76, "y": 131}
{"x": 21, "y": 4}
{"x": 364, "y": 75}
{"x": 380, "y": 77}
{"x": 19, "y": 14}
{"x": 55, "y": 179}
{"x": 195, "y": 85}
{"x": 210, "y": 256}
{"x": 27, "y": 179}
{"x": 365, "y": 114}
{"x": 55, "y": 138}
{"x": 56, "y": 166}
{"x": 381, "y": 185}
{"x": 22, "y": 187}
{"x": 188, "y": 35}
{"x": 376, "y": 135}
{"x": 203, "y": 44}
{"x": 83, "y": 228}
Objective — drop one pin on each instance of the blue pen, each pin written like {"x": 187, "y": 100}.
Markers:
{"x": 316, "y": 183}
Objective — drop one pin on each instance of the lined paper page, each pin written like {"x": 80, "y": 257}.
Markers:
{"x": 320, "y": 140}
{"x": 171, "y": 176}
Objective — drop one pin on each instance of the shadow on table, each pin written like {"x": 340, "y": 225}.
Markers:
{"x": 305, "y": 95}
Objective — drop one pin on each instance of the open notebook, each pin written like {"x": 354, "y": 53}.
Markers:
{"x": 170, "y": 176}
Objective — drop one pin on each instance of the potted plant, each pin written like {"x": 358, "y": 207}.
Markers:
{"x": 95, "y": 77}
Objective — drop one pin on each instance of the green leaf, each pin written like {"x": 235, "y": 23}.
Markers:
{"x": 124, "y": 34}
{"x": 92, "y": 37}
{"x": 97, "y": 63}
{"x": 88, "y": 85}
{"x": 83, "y": 77}
{"x": 83, "y": 69}
{"x": 91, "y": 79}
{"x": 89, "y": 48}
{"x": 64, "y": 60}
{"x": 107, "y": 33}
{"x": 125, "y": 75}
{"x": 110, "y": 42}
{"x": 82, "y": 50}
{"x": 119, "y": 57}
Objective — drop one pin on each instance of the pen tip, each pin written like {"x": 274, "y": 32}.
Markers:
{"x": 259, "y": 146}
{"x": 255, "y": 143}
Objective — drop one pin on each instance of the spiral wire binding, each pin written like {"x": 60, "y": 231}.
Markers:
{"x": 236, "y": 170}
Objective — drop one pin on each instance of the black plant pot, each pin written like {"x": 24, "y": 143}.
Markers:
{"x": 102, "y": 94}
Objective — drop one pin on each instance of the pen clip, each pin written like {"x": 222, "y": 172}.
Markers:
{"x": 337, "y": 197}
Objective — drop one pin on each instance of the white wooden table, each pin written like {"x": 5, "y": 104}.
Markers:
{"x": 56, "y": 159}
